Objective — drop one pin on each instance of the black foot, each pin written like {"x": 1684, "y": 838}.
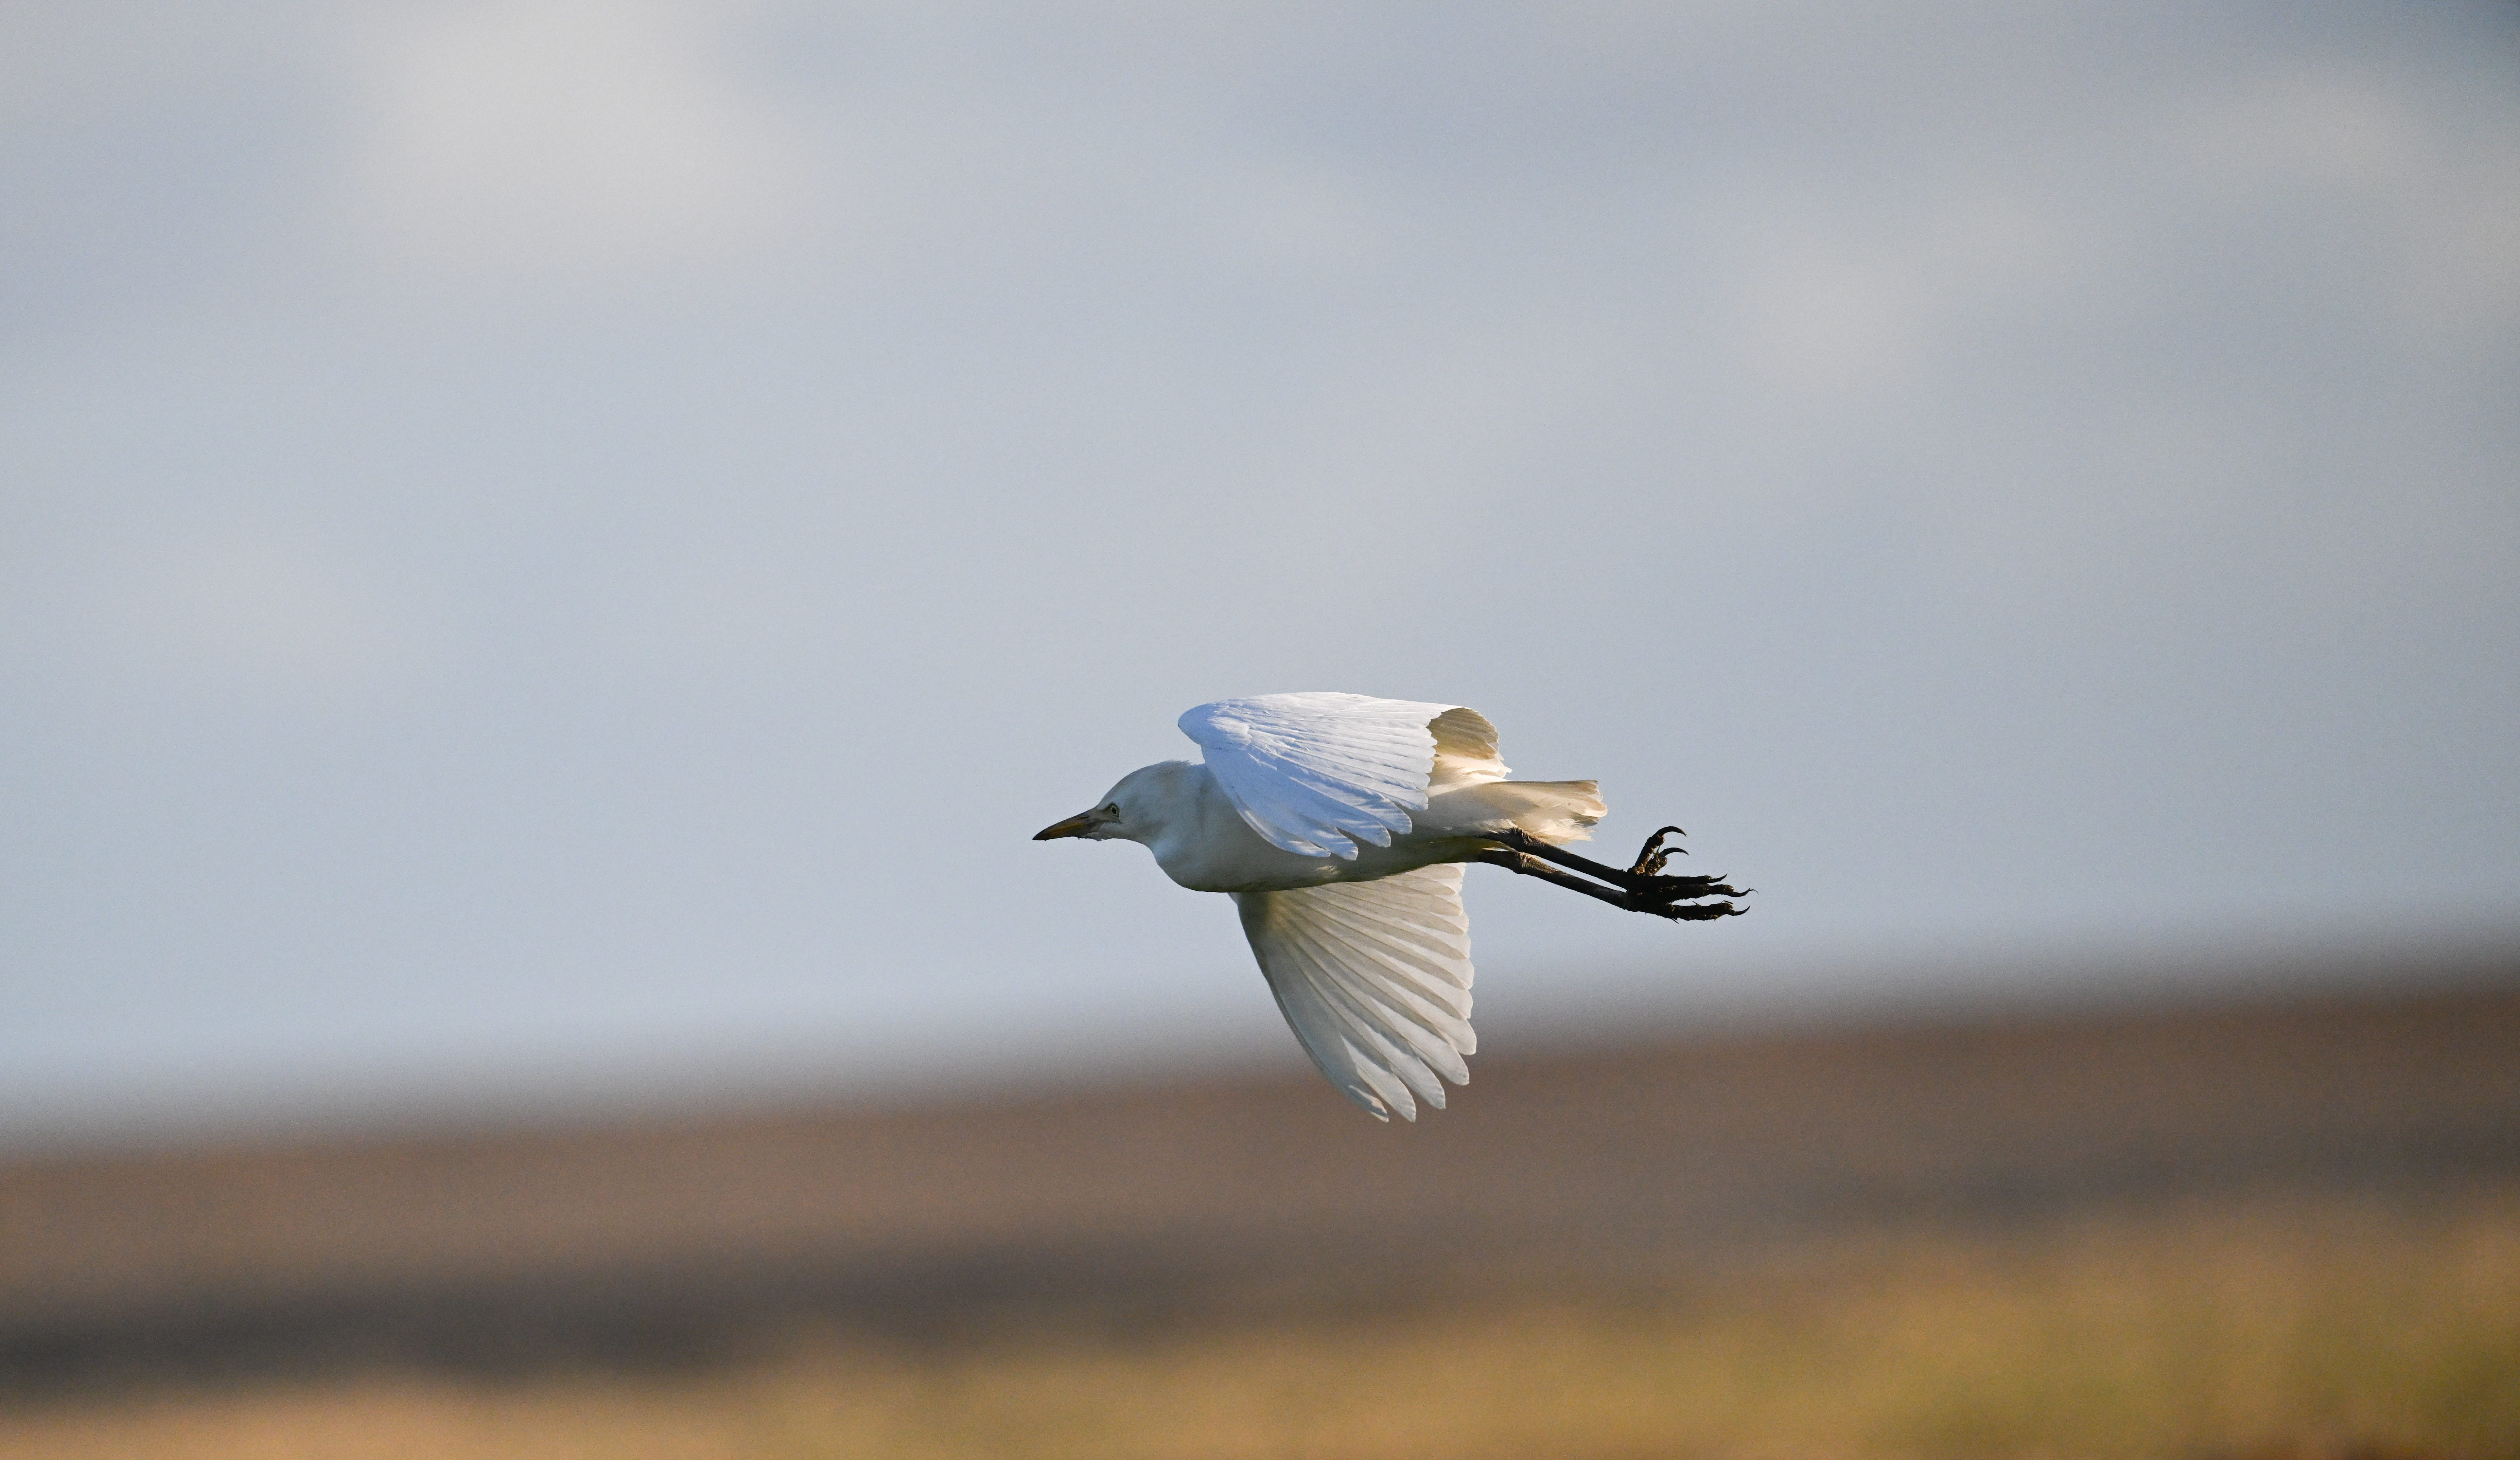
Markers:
{"x": 1682, "y": 889}
{"x": 1642, "y": 888}
{"x": 1645, "y": 880}
{"x": 1686, "y": 912}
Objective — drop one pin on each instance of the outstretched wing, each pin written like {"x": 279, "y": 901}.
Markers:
{"x": 1310, "y": 771}
{"x": 1375, "y": 979}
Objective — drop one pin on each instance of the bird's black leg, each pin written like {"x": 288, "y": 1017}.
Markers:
{"x": 1530, "y": 865}
{"x": 1643, "y": 882}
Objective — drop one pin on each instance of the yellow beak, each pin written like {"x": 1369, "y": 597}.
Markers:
{"x": 1075, "y": 826}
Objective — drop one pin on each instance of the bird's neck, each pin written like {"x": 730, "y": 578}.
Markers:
{"x": 1202, "y": 843}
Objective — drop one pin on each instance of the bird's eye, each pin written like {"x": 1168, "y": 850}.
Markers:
{"x": 1112, "y": 810}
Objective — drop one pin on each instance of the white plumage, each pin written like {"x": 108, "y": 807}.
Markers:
{"x": 1308, "y": 771}
{"x": 1337, "y": 822}
{"x": 1374, "y": 977}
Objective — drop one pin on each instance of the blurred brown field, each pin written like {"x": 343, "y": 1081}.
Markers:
{"x": 2278, "y": 1329}
{"x": 2280, "y": 1230}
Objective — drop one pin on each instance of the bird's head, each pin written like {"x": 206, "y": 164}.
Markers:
{"x": 1133, "y": 810}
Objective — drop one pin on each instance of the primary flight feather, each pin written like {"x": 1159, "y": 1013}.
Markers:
{"x": 1339, "y": 824}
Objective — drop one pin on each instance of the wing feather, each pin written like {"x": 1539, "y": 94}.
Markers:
{"x": 1394, "y": 1044}
{"x": 1410, "y": 979}
{"x": 1373, "y": 978}
{"x": 1365, "y": 1010}
{"x": 1329, "y": 1034}
{"x": 1316, "y": 773}
{"x": 1392, "y": 1006}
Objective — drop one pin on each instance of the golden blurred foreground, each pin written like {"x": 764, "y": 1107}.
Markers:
{"x": 2280, "y": 1230}
{"x": 2291, "y": 1327}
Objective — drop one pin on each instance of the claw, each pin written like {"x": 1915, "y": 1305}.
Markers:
{"x": 1682, "y": 889}
{"x": 1652, "y": 856}
{"x": 1690, "y": 912}
{"x": 1706, "y": 913}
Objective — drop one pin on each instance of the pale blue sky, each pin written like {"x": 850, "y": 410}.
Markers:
{"x": 555, "y": 552}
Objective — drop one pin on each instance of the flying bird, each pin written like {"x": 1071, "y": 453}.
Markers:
{"x": 1340, "y": 824}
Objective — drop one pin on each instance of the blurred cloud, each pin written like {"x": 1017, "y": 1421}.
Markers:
{"x": 249, "y": 604}
{"x": 549, "y": 537}
{"x": 556, "y": 141}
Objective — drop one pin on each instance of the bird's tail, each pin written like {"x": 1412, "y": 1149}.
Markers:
{"x": 1554, "y": 811}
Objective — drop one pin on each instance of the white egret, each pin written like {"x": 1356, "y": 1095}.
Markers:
{"x": 1340, "y": 823}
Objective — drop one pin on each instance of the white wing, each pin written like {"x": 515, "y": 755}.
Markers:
{"x": 1309, "y": 771}
{"x": 1375, "y": 979}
